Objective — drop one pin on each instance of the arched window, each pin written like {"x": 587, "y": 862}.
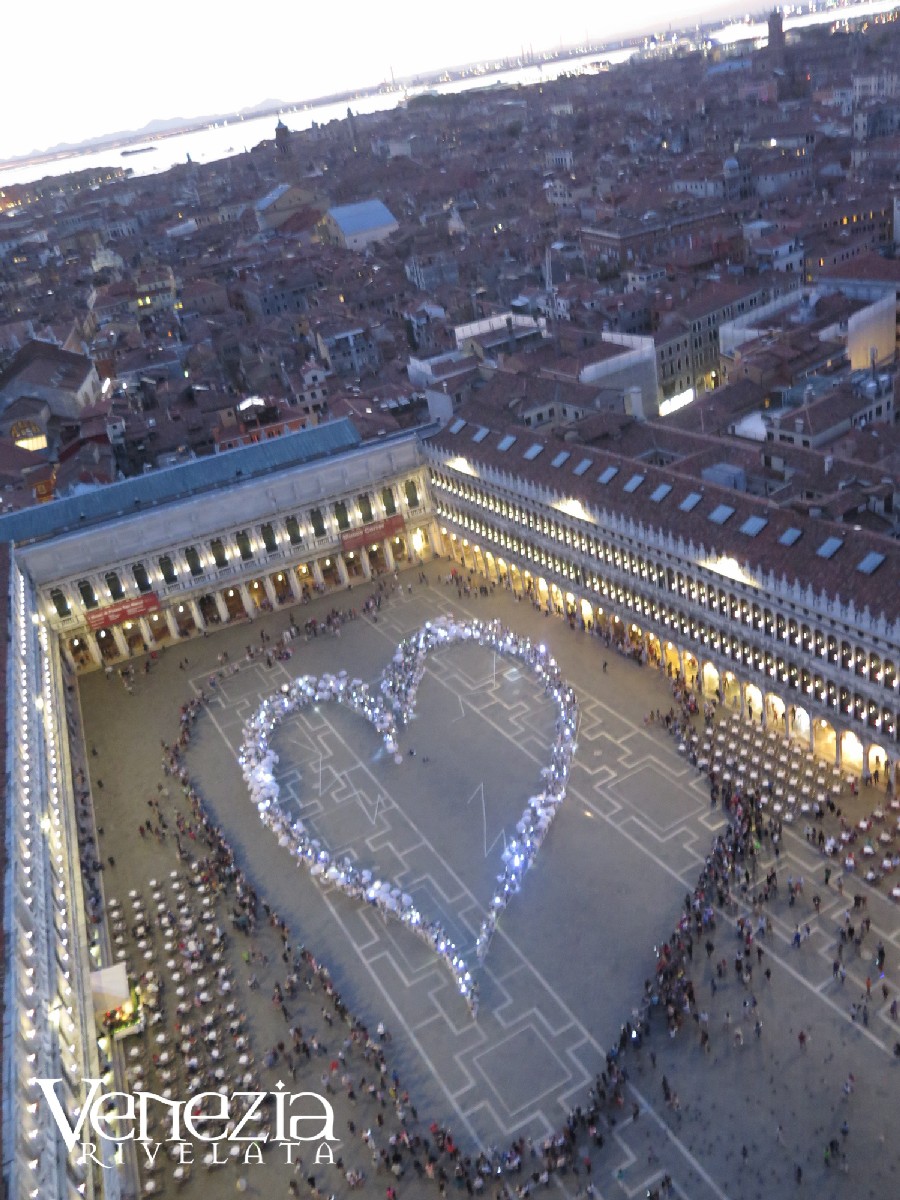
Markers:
{"x": 114, "y": 583}
{"x": 341, "y": 515}
{"x": 318, "y": 522}
{"x": 243, "y": 544}
{"x": 141, "y": 578}
{"x": 167, "y": 569}
{"x": 88, "y": 596}
{"x": 60, "y": 603}
{"x": 364, "y": 504}
{"x": 412, "y": 493}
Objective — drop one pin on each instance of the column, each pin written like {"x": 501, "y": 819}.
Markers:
{"x": 388, "y": 555}
{"x": 343, "y": 573}
{"x": 364, "y": 563}
{"x": 172, "y": 623}
{"x": 247, "y": 599}
{"x": 221, "y": 607}
{"x": 318, "y": 579}
{"x": 197, "y": 615}
{"x": 293, "y": 594}
{"x": 90, "y": 640}
{"x": 270, "y": 592}
{"x": 119, "y": 638}
{"x": 146, "y": 632}
{"x": 837, "y": 746}
{"x": 434, "y": 535}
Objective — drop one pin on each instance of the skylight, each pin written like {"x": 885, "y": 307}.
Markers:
{"x": 507, "y": 441}
{"x": 561, "y": 458}
{"x": 582, "y": 466}
{"x": 533, "y": 451}
{"x": 754, "y": 525}
{"x": 791, "y": 535}
{"x": 870, "y": 563}
{"x": 608, "y": 475}
{"x": 690, "y": 502}
{"x": 457, "y": 425}
{"x": 659, "y": 494}
{"x": 634, "y": 483}
{"x": 830, "y": 547}
{"x": 721, "y": 513}
{"x": 480, "y": 434}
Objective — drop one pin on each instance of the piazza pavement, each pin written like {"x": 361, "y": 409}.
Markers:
{"x": 568, "y": 963}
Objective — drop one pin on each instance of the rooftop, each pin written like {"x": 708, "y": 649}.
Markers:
{"x": 174, "y": 483}
{"x": 361, "y": 217}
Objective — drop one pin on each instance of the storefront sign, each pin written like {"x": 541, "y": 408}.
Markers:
{"x": 371, "y": 534}
{"x": 125, "y": 610}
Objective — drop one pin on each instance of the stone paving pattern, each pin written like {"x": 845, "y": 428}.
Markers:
{"x": 573, "y": 949}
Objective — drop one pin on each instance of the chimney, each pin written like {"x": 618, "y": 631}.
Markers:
{"x": 634, "y": 403}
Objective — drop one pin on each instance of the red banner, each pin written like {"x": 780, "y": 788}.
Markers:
{"x": 371, "y": 534}
{"x": 102, "y": 618}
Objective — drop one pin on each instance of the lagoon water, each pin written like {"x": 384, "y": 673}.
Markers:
{"x": 234, "y": 136}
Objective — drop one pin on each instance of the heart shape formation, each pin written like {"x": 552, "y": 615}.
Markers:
{"x": 389, "y": 707}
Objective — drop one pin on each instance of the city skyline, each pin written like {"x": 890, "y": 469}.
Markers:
{"x": 183, "y": 65}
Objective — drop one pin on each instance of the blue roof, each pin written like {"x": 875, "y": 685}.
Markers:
{"x": 359, "y": 218}
{"x": 270, "y": 197}
{"x": 176, "y": 483}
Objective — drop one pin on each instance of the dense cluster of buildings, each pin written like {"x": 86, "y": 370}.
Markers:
{"x": 626, "y": 341}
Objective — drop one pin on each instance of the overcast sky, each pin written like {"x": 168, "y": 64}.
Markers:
{"x": 70, "y": 72}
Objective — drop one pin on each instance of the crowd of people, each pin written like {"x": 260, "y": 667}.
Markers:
{"x": 351, "y": 1061}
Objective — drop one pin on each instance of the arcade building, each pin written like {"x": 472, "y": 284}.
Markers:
{"x": 790, "y": 619}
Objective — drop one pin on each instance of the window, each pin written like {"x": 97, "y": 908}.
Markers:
{"x": 387, "y": 499}
{"x": 608, "y": 475}
{"x": 690, "y": 502}
{"x": 167, "y": 570}
{"x": 582, "y": 467}
{"x": 114, "y": 583}
{"x": 721, "y": 513}
{"x": 412, "y": 493}
{"x": 754, "y": 525}
{"x": 830, "y": 547}
{"x": 506, "y": 442}
{"x": 480, "y": 434}
{"x": 562, "y": 457}
{"x": 193, "y": 561}
{"x": 243, "y": 544}
{"x": 60, "y": 603}
{"x": 870, "y": 563}
{"x": 292, "y": 526}
{"x": 533, "y": 451}
{"x": 341, "y": 515}
{"x": 790, "y": 536}
{"x": 220, "y": 557}
{"x": 364, "y": 505}
{"x": 269, "y": 539}
{"x": 141, "y": 578}
{"x": 457, "y": 425}
{"x": 88, "y": 596}
{"x": 318, "y": 522}
{"x": 634, "y": 483}
{"x": 659, "y": 494}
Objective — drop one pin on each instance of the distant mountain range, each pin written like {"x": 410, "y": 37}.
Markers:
{"x": 171, "y": 125}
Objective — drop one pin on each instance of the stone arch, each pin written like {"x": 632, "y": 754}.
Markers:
{"x": 851, "y": 752}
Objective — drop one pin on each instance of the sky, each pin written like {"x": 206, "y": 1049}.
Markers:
{"x": 71, "y": 72}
